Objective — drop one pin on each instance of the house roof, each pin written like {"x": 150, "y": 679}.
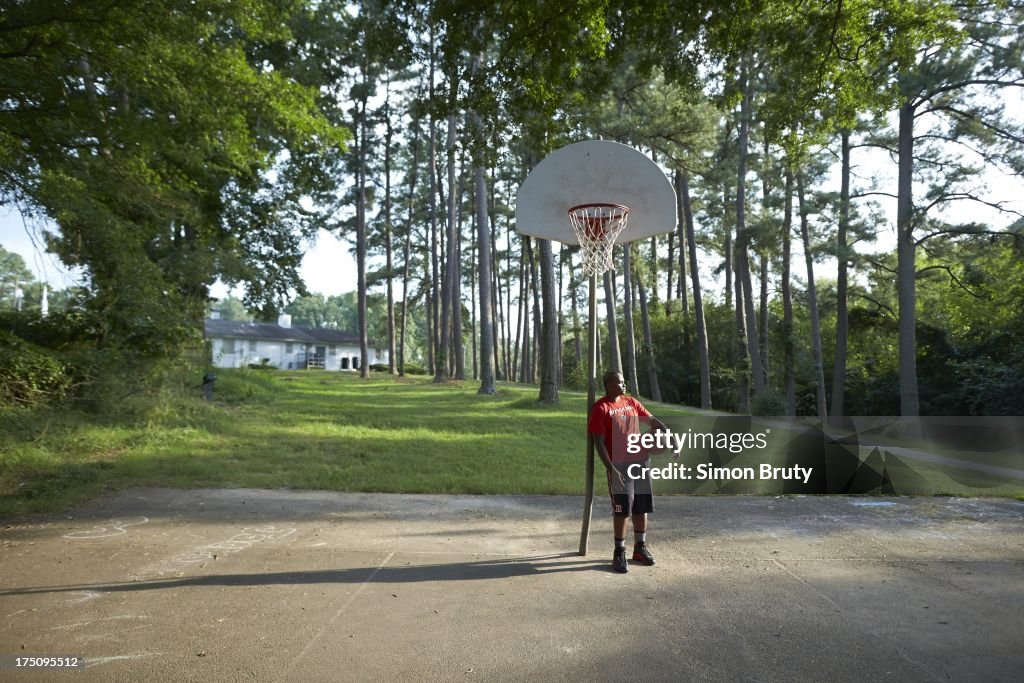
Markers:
{"x": 272, "y": 331}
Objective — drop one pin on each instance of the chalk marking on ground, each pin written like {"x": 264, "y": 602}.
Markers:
{"x": 330, "y": 622}
{"x": 104, "y": 530}
{"x": 93, "y": 621}
{"x": 246, "y": 538}
{"x": 86, "y": 595}
{"x": 807, "y": 583}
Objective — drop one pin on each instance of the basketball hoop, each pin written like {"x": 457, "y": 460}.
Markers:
{"x": 597, "y": 226}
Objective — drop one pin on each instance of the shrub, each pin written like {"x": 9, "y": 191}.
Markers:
{"x": 767, "y": 404}
{"x": 30, "y": 375}
{"x": 414, "y": 369}
{"x": 235, "y": 386}
{"x": 577, "y": 379}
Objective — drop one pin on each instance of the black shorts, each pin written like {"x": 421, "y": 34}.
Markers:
{"x": 636, "y": 497}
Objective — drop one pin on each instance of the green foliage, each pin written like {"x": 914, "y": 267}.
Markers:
{"x": 173, "y": 143}
{"x": 576, "y": 377}
{"x": 14, "y": 276}
{"x": 989, "y": 387}
{"x": 768, "y": 403}
{"x": 316, "y": 310}
{"x": 233, "y": 309}
{"x": 244, "y": 386}
{"x": 29, "y": 375}
{"x": 164, "y": 151}
{"x": 414, "y": 368}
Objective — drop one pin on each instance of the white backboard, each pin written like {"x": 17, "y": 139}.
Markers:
{"x": 595, "y": 171}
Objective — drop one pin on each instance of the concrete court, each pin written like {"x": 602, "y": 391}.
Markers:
{"x": 238, "y": 585}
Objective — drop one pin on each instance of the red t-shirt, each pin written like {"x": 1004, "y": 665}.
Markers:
{"x": 615, "y": 420}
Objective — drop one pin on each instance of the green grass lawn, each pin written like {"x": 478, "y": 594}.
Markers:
{"x": 317, "y": 430}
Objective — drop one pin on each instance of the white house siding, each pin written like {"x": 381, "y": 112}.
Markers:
{"x": 345, "y": 357}
{"x": 243, "y": 355}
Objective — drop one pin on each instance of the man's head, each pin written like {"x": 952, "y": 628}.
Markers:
{"x": 614, "y": 384}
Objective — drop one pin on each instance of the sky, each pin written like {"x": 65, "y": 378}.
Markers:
{"x": 327, "y": 266}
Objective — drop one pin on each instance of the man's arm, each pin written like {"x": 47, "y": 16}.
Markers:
{"x": 655, "y": 425}
{"x": 647, "y": 417}
{"x": 602, "y": 452}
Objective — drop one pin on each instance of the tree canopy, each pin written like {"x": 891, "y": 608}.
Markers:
{"x": 212, "y": 143}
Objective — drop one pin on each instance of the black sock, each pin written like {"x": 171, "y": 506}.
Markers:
{"x": 620, "y": 543}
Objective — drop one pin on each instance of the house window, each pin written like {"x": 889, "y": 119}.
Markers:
{"x": 252, "y": 344}
{"x": 288, "y": 347}
{"x": 229, "y": 346}
{"x": 333, "y": 349}
{"x": 344, "y": 363}
{"x": 355, "y": 363}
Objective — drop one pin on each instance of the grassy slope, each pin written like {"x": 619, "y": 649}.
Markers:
{"x": 315, "y": 430}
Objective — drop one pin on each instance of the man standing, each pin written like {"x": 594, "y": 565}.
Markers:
{"x": 612, "y": 420}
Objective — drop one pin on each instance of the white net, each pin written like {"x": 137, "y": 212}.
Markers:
{"x": 597, "y": 226}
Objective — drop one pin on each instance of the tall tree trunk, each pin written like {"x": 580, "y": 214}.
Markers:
{"x": 509, "y": 370}
{"x": 364, "y": 353}
{"x": 535, "y": 287}
{"x": 549, "y": 326}
{"x": 406, "y": 249}
{"x": 451, "y": 268}
{"x": 654, "y": 268}
{"x": 742, "y": 351}
{"x": 428, "y": 303}
{"x": 459, "y": 348}
{"x": 472, "y": 311}
{"x": 434, "y": 336}
{"x": 406, "y": 253}
{"x": 574, "y": 284}
{"x": 762, "y": 318}
{"x": 812, "y": 298}
{"x": 683, "y": 298}
{"x": 495, "y": 287}
{"x": 743, "y": 243}
{"x": 614, "y": 355}
{"x": 648, "y": 350}
{"x": 517, "y": 365}
{"x": 484, "y": 248}
{"x": 632, "y": 381}
{"x": 907, "y": 272}
{"x": 727, "y": 267}
{"x": 561, "y": 314}
{"x": 389, "y": 260}
{"x": 762, "y": 327}
{"x": 698, "y": 302}
{"x": 789, "y": 360}
{"x": 526, "y": 361}
{"x": 502, "y": 313}
{"x": 484, "y": 251}
{"x": 842, "y": 284}
{"x": 434, "y": 266}
{"x": 670, "y": 266}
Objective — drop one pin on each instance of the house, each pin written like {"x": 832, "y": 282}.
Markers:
{"x": 237, "y": 344}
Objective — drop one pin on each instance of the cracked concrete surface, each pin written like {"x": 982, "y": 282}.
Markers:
{"x": 226, "y": 585}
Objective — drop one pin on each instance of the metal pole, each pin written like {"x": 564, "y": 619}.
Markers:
{"x": 588, "y": 504}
